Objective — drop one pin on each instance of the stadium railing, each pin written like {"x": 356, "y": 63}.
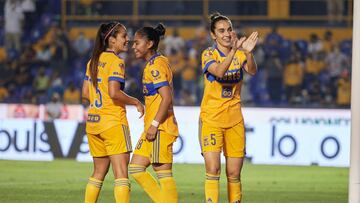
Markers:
{"x": 198, "y": 10}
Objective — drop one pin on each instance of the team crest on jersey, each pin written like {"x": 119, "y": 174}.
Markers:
{"x": 209, "y": 200}
{"x": 208, "y": 53}
{"x": 155, "y": 73}
{"x": 121, "y": 65}
{"x": 236, "y": 61}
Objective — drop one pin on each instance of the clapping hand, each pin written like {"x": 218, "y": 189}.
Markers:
{"x": 235, "y": 41}
{"x": 249, "y": 44}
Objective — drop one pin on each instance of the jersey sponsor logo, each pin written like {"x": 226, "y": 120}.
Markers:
{"x": 226, "y": 92}
{"x": 116, "y": 73}
{"x": 93, "y": 118}
{"x": 101, "y": 64}
{"x": 231, "y": 76}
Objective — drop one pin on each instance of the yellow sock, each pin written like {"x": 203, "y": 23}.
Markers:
{"x": 168, "y": 186}
{"x": 212, "y": 188}
{"x": 234, "y": 190}
{"x": 92, "y": 190}
{"x": 146, "y": 181}
{"x": 122, "y": 190}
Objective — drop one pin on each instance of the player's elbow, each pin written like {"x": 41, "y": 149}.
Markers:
{"x": 252, "y": 70}
{"x": 167, "y": 100}
{"x": 85, "y": 95}
{"x": 252, "y": 73}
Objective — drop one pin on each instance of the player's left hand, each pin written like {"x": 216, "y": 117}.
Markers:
{"x": 249, "y": 44}
{"x": 151, "y": 133}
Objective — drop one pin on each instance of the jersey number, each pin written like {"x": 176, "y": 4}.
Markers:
{"x": 139, "y": 144}
{"x": 98, "y": 101}
{"x": 212, "y": 140}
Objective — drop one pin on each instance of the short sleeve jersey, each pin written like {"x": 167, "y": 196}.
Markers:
{"x": 103, "y": 112}
{"x": 157, "y": 73}
{"x": 220, "y": 105}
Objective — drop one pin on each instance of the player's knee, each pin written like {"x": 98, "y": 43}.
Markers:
{"x": 233, "y": 173}
{"x": 100, "y": 174}
{"x": 213, "y": 170}
{"x": 120, "y": 172}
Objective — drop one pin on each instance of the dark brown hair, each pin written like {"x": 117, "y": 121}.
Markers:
{"x": 153, "y": 34}
{"x": 216, "y": 17}
{"x": 101, "y": 43}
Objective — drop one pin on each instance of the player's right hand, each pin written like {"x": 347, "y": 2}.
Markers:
{"x": 140, "y": 108}
{"x": 151, "y": 133}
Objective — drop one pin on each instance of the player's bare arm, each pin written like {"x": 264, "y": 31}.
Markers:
{"x": 161, "y": 115}
{"x": 248, "y": 46}
{"x": 119, "y": 96}
{"x": 85, "y": 94}
{"x": 219, "y": 69}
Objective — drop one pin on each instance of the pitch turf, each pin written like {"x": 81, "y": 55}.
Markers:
{"x": 65, "y": 180}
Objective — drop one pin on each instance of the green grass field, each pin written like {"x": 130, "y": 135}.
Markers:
{"x": 65, "y": 180}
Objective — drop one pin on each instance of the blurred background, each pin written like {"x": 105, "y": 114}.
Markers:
{"x": 303, "y": 55}
{"x": 296, "y": 108}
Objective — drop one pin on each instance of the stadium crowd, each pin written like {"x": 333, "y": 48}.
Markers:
{"x": 314, "y": 73}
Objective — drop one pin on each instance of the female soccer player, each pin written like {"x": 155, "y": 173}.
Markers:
{"x": 221, "y": 120}
{"x": 160, "y": 129}
{"x": 107, "y": 126}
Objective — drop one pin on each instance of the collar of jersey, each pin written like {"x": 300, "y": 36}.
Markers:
{"x": 220, "y": 52}
{"x": 153, "y": 57}
{"x": 112, "y": 52}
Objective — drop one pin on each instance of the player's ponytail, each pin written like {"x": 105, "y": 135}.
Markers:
{"x": 99, "y": 47}
{"x": 101, "y": 43}
{"x": 216, "y": 17}
{"x": 160, "y": 30}
{"x": 153, "y": 34}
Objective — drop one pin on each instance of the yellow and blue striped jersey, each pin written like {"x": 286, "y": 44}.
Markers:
{"x": 157, "y": 73}
{"x": 220, "y": 105}
{"x": 103, "y": 112}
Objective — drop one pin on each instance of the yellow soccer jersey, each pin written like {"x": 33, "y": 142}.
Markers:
{"x": 157, "y": 73}
{"x": 220, "y": 106}
{"x": 103, "y": 112}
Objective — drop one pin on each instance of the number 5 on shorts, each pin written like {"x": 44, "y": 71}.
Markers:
{"x": 212, "y": 139}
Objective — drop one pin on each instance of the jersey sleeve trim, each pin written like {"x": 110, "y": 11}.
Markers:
{"x": 161, "y": 84}
{"x": 119, "y": 79}
{"x": 207, "y": 65}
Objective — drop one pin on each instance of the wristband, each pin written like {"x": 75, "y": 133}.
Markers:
{"x": 155, "y": 123}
